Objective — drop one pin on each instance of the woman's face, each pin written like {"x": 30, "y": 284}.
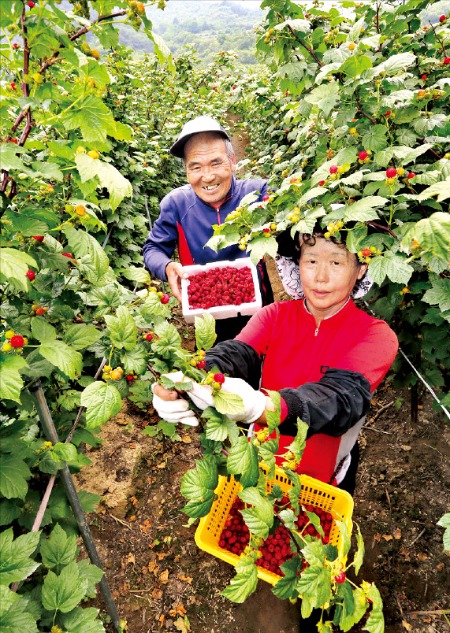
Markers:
{"x": 328, "y": 272}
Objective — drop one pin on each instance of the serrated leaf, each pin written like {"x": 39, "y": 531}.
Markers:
{"x": 392, "y": 266}
{"x": 63, "y": 592}
{"x": 62, "y": 356}
{"x": 244, "y": 582}
{"x": 375, "y": 138}
{"x": 59, "y": 549}
{"x": 11, "y": 383}
{"x": 355, "y": 65}
{"x": 228, "y": 403}
{"x": 242, "y": 460}
{"x": 315, "y": 584}
{"x": 14, "y": 265}
{"x": 109, "y": 177}
{"x": 14, "y": 474}
{"x": 14, "y": 615}
{"x": 92, "y": 574}
{"x": 286, "y": 586}
{"x": 196, "y": 482}
{"x": 259, "y": 518}
{"x": 137, "y": 274}
{"x": 15, "y": 561}
{"x": 375, "y": 622}
{"x": 134, "y": 360}
{"x": 83, "y": 620}
{"x": 81, "y": 335}
{"x": 92, "y": 259}
{"x": 345, "y": 543}
{"x": 218, "y": 429}
{"x": 394, "y": 63}
{"x": 444, "y": 522}
{"x": 102, "y": 401}
{"x": 360, "y": 551}
{"x": 431, "y": 234}
{"x": 205, "y": 331}
{"x": 92, "y": 117}
{"x": 439, "y": 294}
{"x": 263, "y": 246}
{"x": 122, "y": 329}
{"x": 364, "y": 209}
{"x": 42, "y": 330}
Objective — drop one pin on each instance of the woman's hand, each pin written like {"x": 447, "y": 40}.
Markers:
{"x": 171, "y": 408}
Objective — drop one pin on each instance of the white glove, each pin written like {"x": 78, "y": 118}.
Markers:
{"x": 254, "y": 401}
{"x": 174, "y": 411}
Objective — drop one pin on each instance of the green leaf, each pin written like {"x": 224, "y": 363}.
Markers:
{"x": 59, "y": 549}
{"x": 91, "y": 117}
{"x": 243, "y": 460}
{"x": 62, "y": 356}
{"x": 445, "y": 523}
{"x": 42, "y": 330}
{"x": 122, "y": 329}
{"x": 14, "y": 474}
{"x": 228, "y": 403}
{"x": 360, "y": 551}
{"x": 394, "y": 63}
{"x": 260, "y": 517}
{"x": 286, "y": 586}
{"x": 15, "y": 561}
{"x": 9, "y": 159}
{"x": 345, "y": 538}
{"x": 325, "y": 97}
{"x": 14, "y": 615}
{"x": 439, "y": 294}
{"x": 363, "y": 210}
{"x": 137, "y": 274}
{"x": 219, "y": 429}
{"x": 205, "y": 331}
{"x": 83, "y": 621}
{"x": 315, "y": 584}
{"x": 355, "y": 65}
{"x": 81, "y": 335}
{"x": 375, "y": 138}
{"x": 432, "y": 234}
{"x": 11, "y": 383}
{"x": 102, "y": 401}
{"x": 63, "y": 592}
{"x": 375, "y": 622}
{"x": 198, "y": 486}
{"x": 135, "y": 360}
{"x": 244, "y": 582}
{"x": 14, "y": 265}
{"x": 258, "y": 248}
{"x": 392, "y": 266}
{"x": 92, "y": 259}
{"x": 109, "y": 177}
{"x": 92, "y": 574}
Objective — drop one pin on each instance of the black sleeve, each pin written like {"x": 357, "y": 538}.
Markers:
{"x": 332, "y": 405}
{"x": 237, "y": 359}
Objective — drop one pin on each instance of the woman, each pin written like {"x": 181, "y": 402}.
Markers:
{"x": 323, "y": 354}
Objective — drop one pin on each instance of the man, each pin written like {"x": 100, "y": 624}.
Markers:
{"x": 188, "y": 213}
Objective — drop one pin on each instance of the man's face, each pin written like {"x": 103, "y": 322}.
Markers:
{"x": 209, "y": 169}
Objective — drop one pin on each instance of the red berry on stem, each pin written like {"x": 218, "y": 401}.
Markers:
{"x": 220, "y": 378}
{"x": 340, "y": 578}
{"x": 387, "y": 113}
{"x": 333, "y": 169}
{"x": 321, "y": 183}
{"x": 129, "y": 377}
{"x": 40, "y": 311}
{"x": 424, "y": 77}
{"x": 442, "y": 18}
{"x": 31, "y": 4}
{"x": 68, "y": 255}
{"x": 38, "y": 238}
{"x": 165, "y": 299}
{"x": 201, "y": 364}
{"x": 13, "y": 85}
{"x": 411, "y": 175}
{"x": 149, "y": 336}
{"x": 17, "y": 341}
{"x": 363, "y": 155}
{"x": 30, "y": 274}
{"x": 265, "y": 198}
{"x": 391, "y": 172}
{"x": 446, "y": 60}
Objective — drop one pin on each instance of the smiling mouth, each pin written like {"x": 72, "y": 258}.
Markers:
{"x": 210, "y": 187}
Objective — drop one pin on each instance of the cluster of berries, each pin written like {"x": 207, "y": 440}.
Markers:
{"x": 332, "y": 229}
{"x": 163, "y": 297}
{"x": 39, "y": 310}
{"x": 221, "y": 287}
{"x": 365, "y": 254}
{"x": 14, "y": 342}
{"x": 198, "y": 359}
{"x": 294, "y": 215}
{"x": 268, "y": 230}
{"x": 214, "y": 379}
{"x": 364, "y": 156}
{"x": 276, "y": 548}
{"x": 392, "y": 173}
{"x": 147, "y": 336}
{"x": 336, "y": 171}
{"x": 112, "y": 374}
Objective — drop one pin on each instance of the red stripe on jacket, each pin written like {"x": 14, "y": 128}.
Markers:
{"x": 184, "y": 252}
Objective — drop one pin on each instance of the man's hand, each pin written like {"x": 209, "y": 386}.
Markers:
{"x": 174, "y": 272}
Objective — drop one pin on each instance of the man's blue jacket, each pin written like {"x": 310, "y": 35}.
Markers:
{"x": 185, "y": 222}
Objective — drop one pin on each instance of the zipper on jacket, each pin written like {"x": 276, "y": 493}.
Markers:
{"x": 316, "y": 331}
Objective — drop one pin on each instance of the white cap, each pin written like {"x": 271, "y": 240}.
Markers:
{"x": 195, "y": 126}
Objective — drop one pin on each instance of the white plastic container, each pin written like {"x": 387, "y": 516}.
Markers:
{"x": 220, "y": 312}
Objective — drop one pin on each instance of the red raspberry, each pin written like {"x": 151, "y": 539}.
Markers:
{"x": 165, "y": 299}
{"x": 68, "y": 255}
{"x": 321, "y": 183}
{"x": 149, "y": 336}
{"x": 387, "y": 113}
{"x": 201, "y": 364}
{"x": 266, "y": 230}
{"x": 40, "y": 311}
{"x": 38, "y": 238}
{"x": 363, "y": 155}
{"x": 442, "y": 18}
{"x": 391, "y": 172}
{"x": 411, "y": 175}
{"x": 265, "y": 198}
{"x": 446, "y": 60}
{"x": 424, "y": 77}
{"x": 333, "y": 169}
{"x": 340, "y": 578}
{"x": 30, "y": 274}
{"x": 17, "y": 341}
{"x": 220, "y": 378}
{"x": 129, "y": 377}
{"x": 366, "y": 252}
{"x": 31, "y": 4}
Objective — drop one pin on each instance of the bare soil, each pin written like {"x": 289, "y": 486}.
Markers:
{"x": 161, "y": 581}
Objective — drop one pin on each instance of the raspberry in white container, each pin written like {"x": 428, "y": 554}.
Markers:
{"x": 223, "y": 289}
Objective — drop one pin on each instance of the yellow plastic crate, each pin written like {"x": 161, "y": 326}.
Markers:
{"x": 337, "y": 502}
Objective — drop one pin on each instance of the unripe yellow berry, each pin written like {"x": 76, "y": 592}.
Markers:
{"x": 9, "y": 334}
